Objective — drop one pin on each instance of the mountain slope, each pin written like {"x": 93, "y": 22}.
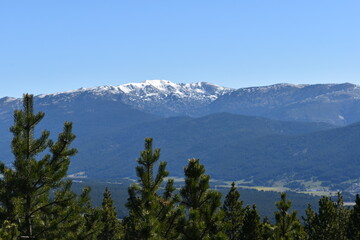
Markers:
{"x": 243, "y": 148}
{"x": 333, "y": 103}
{"x": 181, "y": 138}
{"x": 91, "y": 116}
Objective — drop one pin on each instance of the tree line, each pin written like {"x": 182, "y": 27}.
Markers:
{"x": 36, "y": 200}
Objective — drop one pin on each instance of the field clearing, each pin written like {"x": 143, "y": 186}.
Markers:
{"x": 319, "y": 193}
{"x": 314, "y": 188}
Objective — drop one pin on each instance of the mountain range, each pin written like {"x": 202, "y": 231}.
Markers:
{"x": 262, "y": 134}
{"x": 337, "y": 104}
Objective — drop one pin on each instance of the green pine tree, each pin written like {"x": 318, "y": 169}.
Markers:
{"x": 151, "y": 216}
{"x": 342, "y": 218}
{"x": 85, "y": 223}
{"x": 234, "y": 214}
{"x": 288, "y": 226}
{"x": 252, "y": 229}
{"x": 34, "y": 196}
{"x": 330, "y": 222}
{"x": 9, "y": 231}
{"x": 268, "y": 229}
{"x": 170, "y": 212}
{"x": 354, "y": 221}
{"x": 309, "y": 222}
{"x": 204, "y": 220}
{"x": 111, "y": 226}
{"x": 322, "y": 224}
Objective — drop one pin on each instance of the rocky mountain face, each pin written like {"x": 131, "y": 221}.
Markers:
{"x": 170, "y": 99}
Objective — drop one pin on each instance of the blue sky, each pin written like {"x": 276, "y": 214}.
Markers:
{"x": 52, "y": 46}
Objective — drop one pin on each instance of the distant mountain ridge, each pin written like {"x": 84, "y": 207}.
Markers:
{"x": 332, "y": 103}
{"x": 337, "y": 104}
{"x": 160, "y": 97}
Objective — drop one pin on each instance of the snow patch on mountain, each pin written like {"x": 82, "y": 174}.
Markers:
{"x": 164, "y": 88}
{"x": 278, "y": 86}
{"x": 167, "y": 98}
{"x": 151, "y": 88}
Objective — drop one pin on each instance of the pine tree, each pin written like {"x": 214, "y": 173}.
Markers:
{"x": 354, "y": 221}
{"x": 33, "y": 193}
{"x": 323, "y": 224}
{"x": 330, "y": 222}
{"x": 288, "y": 226}
{"x": 204, "y": 218}
{"x": 251, "y": 229}
{"x": 309, "y": 222}
{"x": 267, "y": 230}
{"x": 9, "y": 231}
{"x": 111, "y": 226}
{"x": 170, "y": 212}
{"x": 234, "y": 214}
{"x": 151, "y": 216}
{"x": 86, "y": 222}
{"x": 342, "y": 218}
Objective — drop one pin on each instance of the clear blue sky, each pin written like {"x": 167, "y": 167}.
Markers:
{"x": 51, "y": 46}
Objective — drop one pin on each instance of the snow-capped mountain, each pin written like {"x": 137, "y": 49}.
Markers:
{"x": 157, "y": 89}
{"x": 159, "y": 97}
{"x": 337, "y": 104}
{"x": 167, "y": 98}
